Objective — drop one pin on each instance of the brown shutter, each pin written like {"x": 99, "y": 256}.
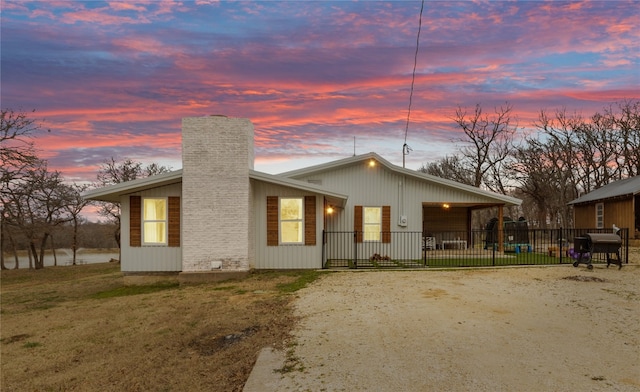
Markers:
{"x": 309, "y": 220}
{"x": 135, "y": 221}
{"x": 174, "y": 221}
{"x": 386, "y": 224}
{"x": 272, "y": 221}
{"x": 357, "y": 223}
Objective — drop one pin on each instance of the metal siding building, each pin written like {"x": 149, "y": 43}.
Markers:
{"x": 283, "y": 256}
{"x": 347, "y": 186}
{"x": 382, "y": 183}
{"x": 148, "y": 258}
{"x": 371, "y": 181}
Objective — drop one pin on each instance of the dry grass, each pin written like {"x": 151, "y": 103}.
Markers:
{"x": 78, "y": 328}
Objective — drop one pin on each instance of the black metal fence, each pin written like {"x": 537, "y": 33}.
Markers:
{"x": 475, "y": 248}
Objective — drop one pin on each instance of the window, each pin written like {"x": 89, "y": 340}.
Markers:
{"x": 154, "y": 221}
{"x": 372, "y": 224}
{"x": 288, "y": 217}
{"x": 599, "y": 216}
{"x": 291, "y": 220}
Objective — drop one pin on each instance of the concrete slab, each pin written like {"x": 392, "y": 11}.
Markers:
{"x": 263, "y": 377}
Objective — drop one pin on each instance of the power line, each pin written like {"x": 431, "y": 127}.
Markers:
{"x": 405, "y": 147}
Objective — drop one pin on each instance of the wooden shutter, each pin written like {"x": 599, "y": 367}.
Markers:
{"x": 174, "y": 221}
{"x": 135, "y": 221}
{"x": 357, "y": 223}
{"x": 309, "y": 220}
{"x": 386, "y": 224}
{"x": 272, "y": 221}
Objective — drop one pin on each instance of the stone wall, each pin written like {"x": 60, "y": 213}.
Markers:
{"x": 217, "y": 153}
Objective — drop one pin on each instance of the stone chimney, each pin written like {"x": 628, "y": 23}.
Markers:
{"x": 217, "y": 153}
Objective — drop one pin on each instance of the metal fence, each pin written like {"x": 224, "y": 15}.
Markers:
{"x": 475, "y": 248}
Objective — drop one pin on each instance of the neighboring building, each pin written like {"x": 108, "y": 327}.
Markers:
{"x": 617, "y": 203}
{"x": 218, "y": 214}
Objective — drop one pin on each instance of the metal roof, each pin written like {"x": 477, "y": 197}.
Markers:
{"x": 112, "y": 193}
{"x": 334, "y": 197}
{"x": 507, "y": 200}
{"x": 629, "y": 186}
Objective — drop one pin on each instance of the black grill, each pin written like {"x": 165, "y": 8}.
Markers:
{"x": 593, "y": 243}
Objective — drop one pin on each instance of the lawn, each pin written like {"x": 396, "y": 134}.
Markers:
{"x": 460, "y": 260}
{"x": 79, "y": 328}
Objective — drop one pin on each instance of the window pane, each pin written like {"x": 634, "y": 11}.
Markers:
{"x": 290, "y": 209}
{"x": 372, "y": 233}
{"x": 599, "y": 215}
{"x": 154, "y": 221}
{"x": 372, "y": 223}
{"x": 291, "y": 232}
{"x": 155, "y": 209}
{"x": 372, "y": 215}
{"x": 154, "y": 232}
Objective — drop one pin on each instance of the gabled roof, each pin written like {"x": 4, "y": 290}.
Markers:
{"x": 627, "y": 187}
{"x": 334, "y": 198}
{"x": 357, "y": 159}
{"x": 112, "y": 193}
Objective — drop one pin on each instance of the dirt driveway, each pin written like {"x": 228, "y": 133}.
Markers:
{"x": 514, "y": 329}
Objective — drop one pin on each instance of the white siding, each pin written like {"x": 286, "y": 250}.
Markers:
{"x": 148, "y": 258}
{"x": 377, "y": 186}
{"x": 366, "y": 186}
{"x": 284, "y": 256}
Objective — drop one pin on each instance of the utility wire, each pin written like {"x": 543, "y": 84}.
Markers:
{"x": 413, "y": 79}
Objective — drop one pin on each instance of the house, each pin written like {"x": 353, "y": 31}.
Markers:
{"x": 617, "y": 203}
{"x": 218, "y": 214}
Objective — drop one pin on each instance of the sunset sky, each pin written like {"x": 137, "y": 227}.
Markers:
{"x": 115, "y": 78}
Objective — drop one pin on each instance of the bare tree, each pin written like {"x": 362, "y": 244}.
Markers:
{"x": 76, "y": 204}
{"x": 36, "y": 205}
{"x": 626, "y": 122}
{"x": 112, "y": 172}
{"x": 549, "y": 167}
{"x": 16, "y": 147}
{"x": 449, "y": 168}
{"x": 17, "y": 154}
{"x": 487, "y": 146}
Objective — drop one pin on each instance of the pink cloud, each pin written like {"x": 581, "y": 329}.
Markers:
{"x": 99, "y": 17}
{"x": 125, "y": 6}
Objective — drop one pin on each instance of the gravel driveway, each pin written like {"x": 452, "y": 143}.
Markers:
{"x": 554, "y": 328}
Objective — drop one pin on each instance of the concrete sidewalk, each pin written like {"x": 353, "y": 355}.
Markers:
{"x": 263, "y": 377}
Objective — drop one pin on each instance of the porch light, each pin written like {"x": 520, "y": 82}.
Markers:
{"x": 372, "y": 163}
{"x": 329, "y": 210}
{"x": 445, "y": 206}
